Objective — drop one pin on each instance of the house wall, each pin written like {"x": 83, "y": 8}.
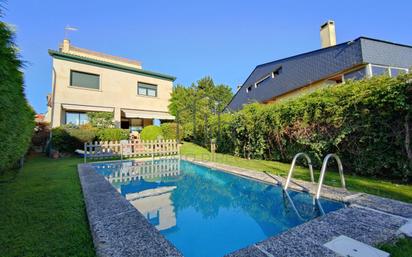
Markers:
{"x": 118, "y": 89}
{"x": 301, "y": 91}
{"x": 387, "y": 54}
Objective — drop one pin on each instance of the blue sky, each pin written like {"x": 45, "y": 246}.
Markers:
{"x": 192, "y": 39}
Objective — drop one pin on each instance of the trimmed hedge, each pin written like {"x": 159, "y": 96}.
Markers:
{"x": 107, "y": 134}
{"x": 66, "y": 139}
{"x": 151, "y": 132}
{"x": 367, "y": 123}
{"x": 16, "y": 115}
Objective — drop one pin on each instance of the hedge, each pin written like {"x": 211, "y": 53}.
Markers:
{"x": 107, "y": 134}
{"x": 169, "y": 130}
{"x": 151, "y": 132}
{"x": 16, "y": 115}
{"x": 367, "y": 123}
{"x": 68, "y": 139}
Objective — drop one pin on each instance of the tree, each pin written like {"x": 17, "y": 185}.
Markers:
{"x": 16, "y": 115}
{"x": 193, "y": 105}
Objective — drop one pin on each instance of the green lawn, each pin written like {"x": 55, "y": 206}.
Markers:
{"x": 401, "y": 248}
{"x": 353, "y": 182}
{"x": 42, "y": 211}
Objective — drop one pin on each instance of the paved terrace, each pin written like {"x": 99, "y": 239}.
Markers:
{"x": 118, "y": 229}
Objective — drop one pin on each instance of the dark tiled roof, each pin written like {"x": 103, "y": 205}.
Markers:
{"x": 304, "y": 69}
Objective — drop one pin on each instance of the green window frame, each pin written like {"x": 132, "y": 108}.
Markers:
{"x": 84, "y": 80}
{"x": 146, "y": 89}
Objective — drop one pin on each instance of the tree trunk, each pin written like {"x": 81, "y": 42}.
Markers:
{"x": 408, "y": 139}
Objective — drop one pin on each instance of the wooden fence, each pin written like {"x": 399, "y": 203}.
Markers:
{"x": 130, "y": 149}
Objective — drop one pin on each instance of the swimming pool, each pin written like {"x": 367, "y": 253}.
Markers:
{"x": 206, "y": 212}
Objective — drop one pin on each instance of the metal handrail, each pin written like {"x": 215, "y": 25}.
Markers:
{"x": 292, "y": 168}
{"x": 323, "y": 170}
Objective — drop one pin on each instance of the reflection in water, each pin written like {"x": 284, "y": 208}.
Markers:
{"x": 209, "y": 213}
{"x": 148, "y": 186}
{"x": 304, "y": 213}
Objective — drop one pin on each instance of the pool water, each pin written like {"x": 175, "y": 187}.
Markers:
{"x": 206, "y": 212}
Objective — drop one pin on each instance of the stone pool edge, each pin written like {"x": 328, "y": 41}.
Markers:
{"x": 117, "y": 227}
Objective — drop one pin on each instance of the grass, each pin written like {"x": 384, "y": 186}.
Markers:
{"x": 354, "y": 183}
{"x": 401, "y": 248}
{"x": 42, "y": 211}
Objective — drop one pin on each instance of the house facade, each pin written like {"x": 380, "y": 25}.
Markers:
{"x": 330, "y": 65}
{"x": 87, "y": 81}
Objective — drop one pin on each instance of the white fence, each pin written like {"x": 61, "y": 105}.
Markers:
{"x": 130, "y": 149}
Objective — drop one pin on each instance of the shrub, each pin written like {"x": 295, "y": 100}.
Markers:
{"x": 367, "y": 123}
{"x": 169, "y": 131}
{"x": 108, "y": 134}
{"x": 69, "y": 139}
{"x": 151, "y": 132}
{"x": 16, "y": 115}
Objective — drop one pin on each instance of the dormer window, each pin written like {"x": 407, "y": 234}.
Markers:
{"x": 248, "y": 89}
{"x": 260, "y": 81}
{"x": 277, "y": 72}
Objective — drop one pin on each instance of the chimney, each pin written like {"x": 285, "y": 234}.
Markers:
{"x": 65, "y": 46}
{"x": 328, "y": 34}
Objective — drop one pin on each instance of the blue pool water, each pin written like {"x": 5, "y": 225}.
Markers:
{"x": 205, "y": 212}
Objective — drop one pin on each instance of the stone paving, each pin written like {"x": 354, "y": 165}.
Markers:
{"x": 118, "y": 229}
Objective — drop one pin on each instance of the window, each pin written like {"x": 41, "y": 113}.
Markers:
{"x": 397, "y": 71}
{"x": 379, "y": 70}
{"x": 355, "y": 75}
{"x": 248, "y": 89}
{"x": 261, "y": 81}
{"x": 277, "y": 72}
{"x": 85, "y": 80}
{"x": 146, "y": 89}
{"x": 76, "y": 118}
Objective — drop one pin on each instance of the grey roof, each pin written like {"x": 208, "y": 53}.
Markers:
{"x": 303, "y": 69}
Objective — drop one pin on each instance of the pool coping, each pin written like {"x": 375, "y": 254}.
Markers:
{"x": 119, "y": 229}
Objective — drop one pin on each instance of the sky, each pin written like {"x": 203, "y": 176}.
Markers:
{"x": 223, "y": 39}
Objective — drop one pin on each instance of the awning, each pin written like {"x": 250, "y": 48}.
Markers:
{"x": 86, "y": 108}
{"x": 148, "y": 115}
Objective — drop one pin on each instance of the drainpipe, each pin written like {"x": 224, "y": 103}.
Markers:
{"x": 52, "y": 110}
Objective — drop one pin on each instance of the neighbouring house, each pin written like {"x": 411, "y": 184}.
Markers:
{"x": 330, "y": 65}
{"x": 87, "y": 81}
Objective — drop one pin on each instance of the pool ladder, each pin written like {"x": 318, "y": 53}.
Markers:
{"x": 322, "y": 171}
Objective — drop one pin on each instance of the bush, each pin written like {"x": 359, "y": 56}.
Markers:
{"x": 367, "y": 123}
{"x": 169, "y": 131}
{"x": 108, "y": 134}
{"x": 69, "y": 139}
{"x": 16, "y": 115}
{"x": 151, "y": 132}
